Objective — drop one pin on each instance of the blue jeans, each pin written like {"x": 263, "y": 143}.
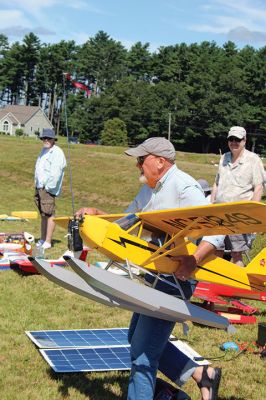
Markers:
{"x": 148, "y": 337}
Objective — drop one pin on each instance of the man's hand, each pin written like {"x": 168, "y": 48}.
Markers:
{"x": 86, "y": 210}
{"x": 186, "y": 265}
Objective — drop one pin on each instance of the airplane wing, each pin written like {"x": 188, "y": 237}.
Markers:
{"x": 25, "y": 214}
{"x": 19, "y": 216}
{"x": 63, "y": 221}
{"x": 203, "y": 292}
{"x": 213, "y": 219}
{"x": 225, "y": 295}
{"x": 215, "y": 292}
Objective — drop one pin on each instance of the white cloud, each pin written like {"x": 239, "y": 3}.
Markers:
{"x": 83, "y": 5}
{"x": 242, "y": 34}
{"x": 252, "y": 9}
{"x": 35, "y": 7}
{"x": 221, "y": 25}
{"x": 14, "y": 23}
{"x": 18, "y": 31}
{"x": 34, "y": 16}
{"x": 12, "y": 15}
{"x": 30, "y": 5}
{"x": 240, "y": 21}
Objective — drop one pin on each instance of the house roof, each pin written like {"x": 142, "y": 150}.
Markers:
{"x": 21, "y": 113}
{"x": 10, "y": 117}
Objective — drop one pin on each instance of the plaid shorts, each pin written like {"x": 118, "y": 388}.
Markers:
{"x": 45, "y": 202}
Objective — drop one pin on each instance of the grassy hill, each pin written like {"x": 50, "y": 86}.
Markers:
{"x": 102, "y": 177}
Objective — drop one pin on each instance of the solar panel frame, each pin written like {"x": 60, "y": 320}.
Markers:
{"x": 78, "y": 338}
{"x": 115, "y": 358}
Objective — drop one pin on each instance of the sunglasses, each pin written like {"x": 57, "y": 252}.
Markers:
{"x": 46, "y": 138}
{"x": 234, "y": 139}
{"x": 141, "y": 159}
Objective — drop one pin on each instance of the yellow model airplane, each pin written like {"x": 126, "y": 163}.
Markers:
{"x": 150, "y": 239}
{"x": 19, "y": 216}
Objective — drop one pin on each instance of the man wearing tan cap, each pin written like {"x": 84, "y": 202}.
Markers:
{"x": 240, "y": 177}
{"x": 165, "y": 186}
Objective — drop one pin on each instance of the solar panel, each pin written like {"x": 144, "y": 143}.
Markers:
{"x": 79, "y": 338}
{"x": 86, "y": 350}
{"x": 87, "y": 359}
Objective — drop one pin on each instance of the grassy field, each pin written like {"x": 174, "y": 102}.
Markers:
{"x": 105, "y": 178}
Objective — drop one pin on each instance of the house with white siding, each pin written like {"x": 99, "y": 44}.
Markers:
{"x": 29, "y": 118}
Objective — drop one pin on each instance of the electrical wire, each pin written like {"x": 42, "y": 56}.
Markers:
{"x": 221, "y": 357}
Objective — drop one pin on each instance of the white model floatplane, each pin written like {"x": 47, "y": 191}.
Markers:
{"x": 148, "y": 240}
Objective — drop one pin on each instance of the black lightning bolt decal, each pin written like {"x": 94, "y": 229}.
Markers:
{"x": 123, "y": 241}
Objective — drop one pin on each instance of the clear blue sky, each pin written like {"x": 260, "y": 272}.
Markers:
{"x": 158, "y": 22}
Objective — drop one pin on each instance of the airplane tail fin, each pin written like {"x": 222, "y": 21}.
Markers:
{"x": 84, "y": 253}
{"x": 256, "y": 269}
{"x": 80, "y": 255}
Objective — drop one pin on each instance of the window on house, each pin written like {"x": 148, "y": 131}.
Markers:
{"x": 6, "y": 126}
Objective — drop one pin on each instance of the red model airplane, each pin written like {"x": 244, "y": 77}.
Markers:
{"x": 14, "y": 259}
{"x": 219, "y": 298}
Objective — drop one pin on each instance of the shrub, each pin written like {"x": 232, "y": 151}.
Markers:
{"x": 114, "y": 133}
{"x": 19, "y": 132}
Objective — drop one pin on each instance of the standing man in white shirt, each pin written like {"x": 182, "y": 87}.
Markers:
{"x": 240, "y": 177}
{"x": 49, "y": 173}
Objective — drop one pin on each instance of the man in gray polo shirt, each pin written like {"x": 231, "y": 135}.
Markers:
{"x": 240, "y": 177}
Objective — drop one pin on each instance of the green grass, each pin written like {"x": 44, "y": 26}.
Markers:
{"x": 106, "y": 178}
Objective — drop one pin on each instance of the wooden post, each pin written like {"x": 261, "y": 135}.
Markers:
{"x": 169, "y": 126}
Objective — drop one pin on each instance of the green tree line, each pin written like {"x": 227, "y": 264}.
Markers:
{"x": 192, "y": 93}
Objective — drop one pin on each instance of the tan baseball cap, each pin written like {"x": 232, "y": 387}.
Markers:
{"x": 158, "y": 146}
{"x": 238, "y": 132}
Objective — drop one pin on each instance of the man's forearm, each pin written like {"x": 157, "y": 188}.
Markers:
{"x": 203, "y": 250}
{"x": 258, "y": 192}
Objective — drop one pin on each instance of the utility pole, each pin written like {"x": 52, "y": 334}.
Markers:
{"x": 169, "y": 126}
{"x": 253, "y": 144}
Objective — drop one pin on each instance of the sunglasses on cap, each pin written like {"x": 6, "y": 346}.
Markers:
{"x": 234, "y": 139}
